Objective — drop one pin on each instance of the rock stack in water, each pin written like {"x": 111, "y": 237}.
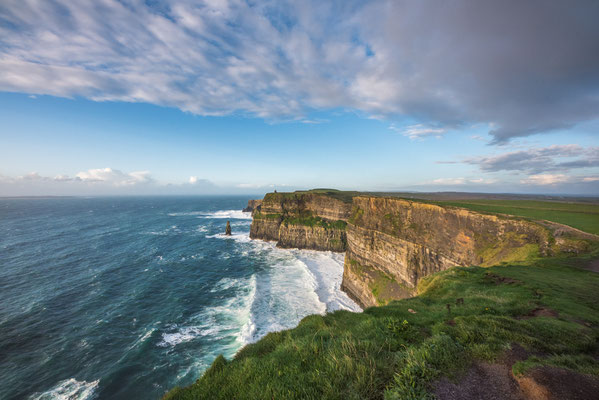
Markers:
{"x": 228, "y": 229}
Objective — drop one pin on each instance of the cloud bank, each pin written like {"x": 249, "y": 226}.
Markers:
{"x": 536, "y": 160}
{"x": 524, "y": 67}
{"x": 110, "y": 181}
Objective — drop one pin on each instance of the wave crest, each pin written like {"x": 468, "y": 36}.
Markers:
{"x": 69, "y": 389}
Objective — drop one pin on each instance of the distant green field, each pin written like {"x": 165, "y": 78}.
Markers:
{"x": 583, "y": 216}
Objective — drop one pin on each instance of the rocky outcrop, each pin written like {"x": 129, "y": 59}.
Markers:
{"x": 302, "y": 220}
{"x": 253, "y": 205}
{"x": 228, "y": 229}
{"x": 392, "y": 243}
{"x": 265, "y": 226}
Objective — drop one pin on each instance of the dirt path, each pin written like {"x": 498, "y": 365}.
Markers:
{"x": 594, "y": 266}
{"x": 486, "y": 381}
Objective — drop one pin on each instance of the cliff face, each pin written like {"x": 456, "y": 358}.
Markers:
{"x": 318, "y": 205}
{"x": 311, "y": 237}
{"x": 302, "y": 220}
{"x": 390, "y": 243}
{"x": 253, "y": 205}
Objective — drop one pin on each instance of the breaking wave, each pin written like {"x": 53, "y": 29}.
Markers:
{"x": 69, "y": 389}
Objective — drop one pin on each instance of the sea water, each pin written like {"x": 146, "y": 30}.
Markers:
{"x": 125, "y": 298}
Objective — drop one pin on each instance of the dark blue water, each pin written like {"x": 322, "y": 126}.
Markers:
{"x": 124, "y": 298}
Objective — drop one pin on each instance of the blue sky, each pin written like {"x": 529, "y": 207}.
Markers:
{"x": 191, "y": 97}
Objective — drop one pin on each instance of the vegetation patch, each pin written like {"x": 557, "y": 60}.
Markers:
{"x": 259, "y": 215}
{"x": 310, "y": 220}
{"x": 356, "y": 215}
{"x": 582, "y": 363}
{"x": 510, "y": 248}
{"x": 385, "y": 288}
{"x": 583, "y": 216}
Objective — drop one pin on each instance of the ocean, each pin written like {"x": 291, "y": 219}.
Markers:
{"x": 127, "y": 297}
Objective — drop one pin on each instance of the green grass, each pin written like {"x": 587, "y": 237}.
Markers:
{"x": 310, "y": 220}
{"x": 260, "y": 215}
{"x": 392, "y": 353}
{"x": 581, "y": 363}
{"x": 583, "y": 216}
{"x": 344, "y": 196}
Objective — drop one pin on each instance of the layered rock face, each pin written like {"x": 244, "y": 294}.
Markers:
{"x": 319, "y": 205}
{"x": 391, "y": 243}
{"x": 302, "y": 220}
{"x": 311, "y": 237}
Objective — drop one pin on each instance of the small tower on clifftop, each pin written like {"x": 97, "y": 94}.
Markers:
{"x": 228, "y": 229}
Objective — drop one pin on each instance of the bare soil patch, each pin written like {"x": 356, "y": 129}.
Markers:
{"x": 551, "y": 383}
{"x": 485, "y": 381}
{"x": 499, "y": 280}
{"x": 482, "y": 381}
{"x": 593, "y": 266}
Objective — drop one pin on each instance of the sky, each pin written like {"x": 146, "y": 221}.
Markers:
{"x": 103, "y": 97}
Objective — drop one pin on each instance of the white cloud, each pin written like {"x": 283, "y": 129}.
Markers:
{"x": 419, "y": 131}
{"x": 268, "y": 186}
{"x": 557, "y": 179}
{"x": 114, "y": 177}
{"x": 461, "y": 181}
{"x": 545, "y": 179}
{"x": 193, "y": 180}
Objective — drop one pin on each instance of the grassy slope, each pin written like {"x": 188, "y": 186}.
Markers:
{"x": 393, "y": 353}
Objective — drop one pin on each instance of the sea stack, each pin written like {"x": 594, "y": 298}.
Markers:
{"x": 228, "y": 229}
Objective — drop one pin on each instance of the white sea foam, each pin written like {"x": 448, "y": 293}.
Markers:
{"x": 224, "y": 284}
{"x": 229, "y": 214}
{"x": 69, "y": 389}
{"x": 327, "y": 268}
{"x": 229, "y": 320}
{"x": 296, "y": 284}
{"x": 243, "y": 237}
{"x": 142, "y": 338}
{"x": 182, "y": 335}
{"x": 186, "y": 214}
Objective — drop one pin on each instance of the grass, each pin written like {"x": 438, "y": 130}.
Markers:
{"x": 344, "y": 196}
{"x": 389, "y": 352}
{"x": 583, "y": 216}
{"x": 273, "y": 216}
{"x": 310, "y": 220}
{"x": 581, "y": 363}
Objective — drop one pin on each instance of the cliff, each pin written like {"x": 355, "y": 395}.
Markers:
{"x": 303, "y": 220}
{"x": 252, "y": 205}
{"x": 392, "y": 243}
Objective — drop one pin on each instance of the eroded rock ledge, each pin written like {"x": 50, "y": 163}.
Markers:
{"x": 391, "y": 243}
